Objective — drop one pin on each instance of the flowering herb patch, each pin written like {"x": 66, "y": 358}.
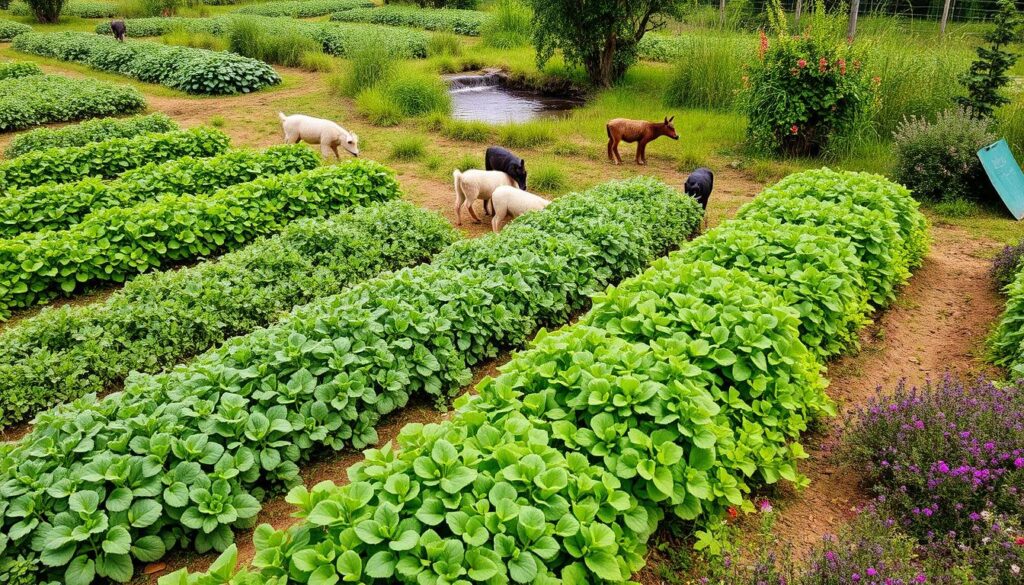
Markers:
{"x": 1007, "y": 264}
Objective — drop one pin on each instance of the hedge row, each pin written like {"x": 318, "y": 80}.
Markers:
{"x": 112, "y": 245}
{"x": 44, "y": 99}
{"x": 211, "y": 437}
{"x": 1007, "y": 340}
{"x": 58, "y": 207}
{"x": 303, "y": 8}
{"x": 88, "y": 132}
{"x": 678, "y": 391}
{"x": 663, "y": 48}
{"x": 463, "y": 22}
{"x": 196, "y": 71}
{"x": 163, "y": 318}
{"x": 338, "y": 39}
{"x": 10, "y": 29}
{"x": 79, "y": 8}
{"x": 19, "y": 69}
{"x": 107, "y": 159}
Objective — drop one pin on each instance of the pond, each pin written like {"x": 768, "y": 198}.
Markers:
{"x": 486, "y": 97}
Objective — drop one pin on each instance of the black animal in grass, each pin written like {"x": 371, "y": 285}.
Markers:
{"x": 118, "y": 28}
{"x": 699, "y": 185}
{"x": 500, "y": 159}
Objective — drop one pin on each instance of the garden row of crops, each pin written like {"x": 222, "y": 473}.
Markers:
{"x": 10, "y": 29}
{"x": 87, "y": 132}
{"x": 463, "y": 22}
{"x": 107, "y": 159}
{"x": 678, "y": 392}
{"x": 79, "y": 8}
{"x": 302, "y": 8}
{"x": 196, "y": 71}
{"x": 338, "y": 39}
{"x": 28, "y": 98}
{"x": 175, "y": 459}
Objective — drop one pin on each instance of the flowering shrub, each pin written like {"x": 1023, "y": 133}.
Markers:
{"x": 803, "y": 91}
{"x": 1007, "y": 265}
{"x": 943, "y": 457}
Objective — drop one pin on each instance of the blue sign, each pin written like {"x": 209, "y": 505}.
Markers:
{"x": 1005, "y": 174}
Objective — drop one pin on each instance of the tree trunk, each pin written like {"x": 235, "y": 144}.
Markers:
{"x": 721, "y": 12}
{"x": 604, "y": 72}
{"x": 854, "y": 9}
{"x": 945, "y": 16}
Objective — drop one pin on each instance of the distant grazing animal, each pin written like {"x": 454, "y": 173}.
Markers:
{"x": 623, "y": 130}
{"x": 699, "y": 185}
{"x": 511, "y": 202}
{"x": 118, "y": 28}
{"x": 476, "y": 184}
{"x": 299, "y": 128}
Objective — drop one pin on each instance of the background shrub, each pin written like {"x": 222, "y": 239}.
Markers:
{"x": 938, "y": 160}
{"x": 46, "y": 11}
{"x": 302, "y": 8}
{"x": 510, "y": 25}
{"x": 83, "y": 133}
{"x": 44, "y": 99}
{"x": 463, "y": 22}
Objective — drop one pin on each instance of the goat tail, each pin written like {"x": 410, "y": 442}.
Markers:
{"x": 460, "y": 196}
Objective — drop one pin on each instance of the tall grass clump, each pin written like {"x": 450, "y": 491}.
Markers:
{"x": 548, "y": 178}
{"x": 416, "y": 94}
{"x": 368, "y": 67}
{"x": 280, "y": 46}
{"x": 1010, "y": 123}
{"x": 709, "y": 74}
{"x": 915, "y": 82}
{"x": 409, "y": 148}
{"x": 444, "y": 44}
{"x": 197, "y": 40}
{"x": 378, "y": 108}
{"x": 511, "y": 25}
{"x": 468, "y": 130}
{"x": 526, "y": 135}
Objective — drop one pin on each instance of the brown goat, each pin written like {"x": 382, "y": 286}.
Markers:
{"x": 624, "y": 130}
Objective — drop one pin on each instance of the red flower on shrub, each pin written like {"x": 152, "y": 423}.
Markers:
{"x": 763, "y": 47}
{"x": 856, "y": 64}
{"x": 801, "y": 63}
{"x": 876, "y": 80}
{"x": 842, "y": 66}
{"x": 1019, "y": 541}
{"x": 822, "y": 65}
{"x": 733, "y": 513}
{"x": 794, "y": 129}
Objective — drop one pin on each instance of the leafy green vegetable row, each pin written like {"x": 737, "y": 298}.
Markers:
{"x": 58, "y": 207}
{"x": 678, "y": 392}
{"x": 303, "y": 8}
{"x": 106, "y": 159}
{"x": 44, "y": 99}
{"x": 161, "y": 319}
{"x": 1007, "y": 340}
{"x": 19, "y": 69}
{"x": 463, "y": 22}
{"x": 87, "y": 132}
{"x": 338, "y": 39}
{"x": 10, "y": 29}
{"x": 113, "y": 245}
{"x": 196, "y": 71}
{"x": 175, "y": 459}
{"x": 79, "y": 8}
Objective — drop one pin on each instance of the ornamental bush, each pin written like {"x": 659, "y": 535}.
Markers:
{"x": 804, "y": 91}
{"x": 463, "y": 22}
{"x": 303, "y": 8}
{"x": 107, "y": 159}
{"x": 160, "y": 319}
{"x": 938, "y": 160}
{"x": 19, "y": 69}
{"x": 46, "y": 99}
{"x": 87, "y": 132}
{"x": 113, "y": 245}
{"x": 10, "y": 29}
{"x": 58, "y": 207}
{"x": 208, "y": 439}
{"x": 196, "y": 71}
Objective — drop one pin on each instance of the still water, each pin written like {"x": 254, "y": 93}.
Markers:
{"x": 486, "y": 99}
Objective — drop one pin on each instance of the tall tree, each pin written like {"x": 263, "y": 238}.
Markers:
{"x": 47, "y": 11}
{"x": 602, "y": 36}
{"x": 988, "y": 74}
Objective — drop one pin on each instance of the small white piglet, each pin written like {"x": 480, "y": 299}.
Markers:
{"x": 511, "y": 202}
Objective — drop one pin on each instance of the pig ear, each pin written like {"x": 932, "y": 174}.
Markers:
{"x": 523, "y": 165}
{"x": 672, "y": 118}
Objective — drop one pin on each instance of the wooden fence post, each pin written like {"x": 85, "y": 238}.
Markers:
{"x": 854, "y": 9}
{"x": 945, "y": 16}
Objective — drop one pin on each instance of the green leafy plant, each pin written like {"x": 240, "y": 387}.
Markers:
{"x": 463, "y": 22}
{"x": 113, "y": 245}
{"x": 10, "y": 29}
{"x": 196, "y": 71}
{"x": 19, "y": 69}
{"x": 109, "y": 158}
{"x": 79, "y": 8}
{"x": 45, "y": 99}
{"x": 989, "y": 74}
{"x": 303, "y": 8}
{"x": 57, "y": 207}
{"x": 46, "y": 11}
{"x": 804, "y": 91}
{"x": 938, "y": 160}
{"x": 88, "y": 132}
